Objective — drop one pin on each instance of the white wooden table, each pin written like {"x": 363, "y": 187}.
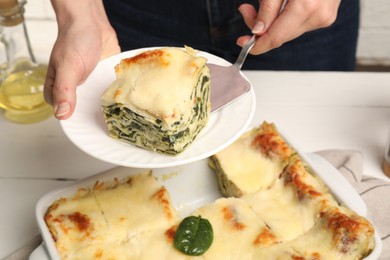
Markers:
{"x": 317, "y": 111}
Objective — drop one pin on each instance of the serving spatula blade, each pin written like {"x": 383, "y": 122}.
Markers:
{"x": 227, "y": 82}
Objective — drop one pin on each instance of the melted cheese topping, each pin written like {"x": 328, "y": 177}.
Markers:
{"x": 157, "y": 83}
{"x": 286, "y": 216}
{"x": 253, "y": 171}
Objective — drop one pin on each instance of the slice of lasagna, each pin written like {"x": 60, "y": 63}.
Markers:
{"x": 252, "y": 163}
{"x": 160, "y": 99}
{"x": 113, "y": 220}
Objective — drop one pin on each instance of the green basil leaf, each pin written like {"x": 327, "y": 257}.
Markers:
{"x": 194, "y": 236}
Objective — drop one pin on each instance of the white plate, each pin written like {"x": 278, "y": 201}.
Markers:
{"x": 87, "y": 129}
{"x": 192, "y": 186}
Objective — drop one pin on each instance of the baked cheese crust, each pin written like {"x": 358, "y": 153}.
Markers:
{"x": 160, "y": 99}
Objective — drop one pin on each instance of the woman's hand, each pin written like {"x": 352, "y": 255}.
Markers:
{"x": 277, "y": 22}
{"x": 84, "y": 37}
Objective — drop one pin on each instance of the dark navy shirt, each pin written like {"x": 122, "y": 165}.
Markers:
{"x": 214, "y": 26}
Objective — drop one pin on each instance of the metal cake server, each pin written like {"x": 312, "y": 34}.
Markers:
{"x": 227, "y": 82}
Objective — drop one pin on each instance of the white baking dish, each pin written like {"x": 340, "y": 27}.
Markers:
{"x": 190, "y": 187}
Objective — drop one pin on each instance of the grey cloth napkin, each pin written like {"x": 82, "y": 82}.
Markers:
{"x": 25, "y": 251}
{"x": 375, "y": 192}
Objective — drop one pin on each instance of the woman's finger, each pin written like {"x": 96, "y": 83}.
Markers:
{"x": 249, "y": 13}
{"x": 67, "y": 78}
{"x": 295, "y": 19}
{"x": 268, "y": 12}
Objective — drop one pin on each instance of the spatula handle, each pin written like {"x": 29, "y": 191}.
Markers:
{"x": 244, "y": 52}
{"x": 248, "y": 46}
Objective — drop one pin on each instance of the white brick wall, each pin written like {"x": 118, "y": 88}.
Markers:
{"x": 373, "y": 45}
{"x": 374, "y": 34}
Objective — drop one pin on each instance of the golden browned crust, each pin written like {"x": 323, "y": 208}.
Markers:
{"x": 269, "y": 142}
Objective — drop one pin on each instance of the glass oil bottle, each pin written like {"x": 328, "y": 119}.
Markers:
{"x": 21, "y": 77}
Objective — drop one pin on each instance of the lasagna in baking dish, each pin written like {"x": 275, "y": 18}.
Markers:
{"x": 296, "y": 215}
{"x": 274, "y": 207}
{"x": 160, "y": 99}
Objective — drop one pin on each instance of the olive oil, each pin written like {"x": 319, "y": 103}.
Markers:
{"x": 21, "y": 95}
{"x": 21, "y": 77}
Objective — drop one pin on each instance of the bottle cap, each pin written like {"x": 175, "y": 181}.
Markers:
{"x": 7, "y": 4}
{"x": 11, "y": 12}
